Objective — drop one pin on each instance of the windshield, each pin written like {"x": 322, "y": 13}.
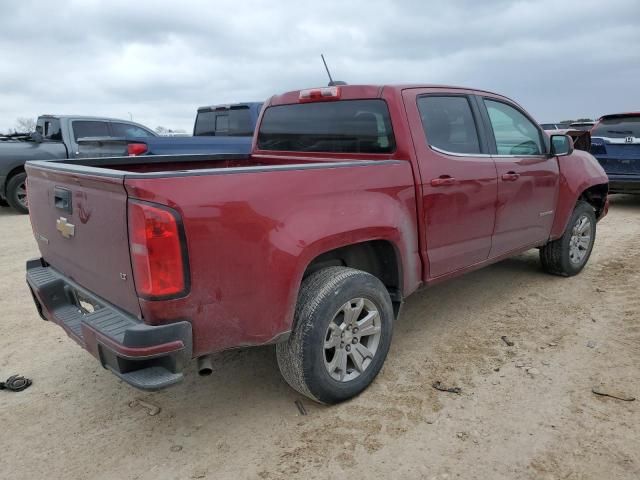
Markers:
{"x": 620, "y": 127}
{"x": 234, "y": 121}
{"x": 349, "y": 126}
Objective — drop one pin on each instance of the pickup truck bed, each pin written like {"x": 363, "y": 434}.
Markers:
{"x": 107, "y": 147}
{"x": 246, "y": 229}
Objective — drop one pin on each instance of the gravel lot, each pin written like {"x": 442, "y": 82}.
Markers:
{"x": 525, "y": 411}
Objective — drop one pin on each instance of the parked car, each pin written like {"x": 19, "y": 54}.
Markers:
{"x": 353, "y": 197}
{"x": 615, "y": 142}
{"x": 56, "y": 137}
{"x": 217, "y": 129}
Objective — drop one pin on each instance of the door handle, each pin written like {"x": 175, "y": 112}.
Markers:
{"x": 510, "y": 176}
{"x": 62, "y": 199}
{"x": 443, "y": 181}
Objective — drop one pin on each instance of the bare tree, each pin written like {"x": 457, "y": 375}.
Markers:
{"x": 160, "y": 130}
{"x": 25, "y": 125}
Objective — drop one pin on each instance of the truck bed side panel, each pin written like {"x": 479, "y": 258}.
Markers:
{"x": 111, "y": 147}
{"x": 251, "y": 236}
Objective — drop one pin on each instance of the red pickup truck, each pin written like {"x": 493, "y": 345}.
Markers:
{"x": 353, "y": 197}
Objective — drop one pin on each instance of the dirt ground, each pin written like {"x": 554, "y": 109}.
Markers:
{"x": 525, "y": 412}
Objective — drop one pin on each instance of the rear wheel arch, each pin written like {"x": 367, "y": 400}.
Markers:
{"x": 380, "y": 258}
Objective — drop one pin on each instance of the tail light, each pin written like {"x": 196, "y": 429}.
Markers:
{"x": 319, "y": 94}
{"x": 134, "y": 149}
{"x": 158, "y": 251}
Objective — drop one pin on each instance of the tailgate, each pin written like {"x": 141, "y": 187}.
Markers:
{"x": 80, "y": 223}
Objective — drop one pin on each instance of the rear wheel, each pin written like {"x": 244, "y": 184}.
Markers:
{"x": 568, "y": 255}
{"x": 17, "y": 192}
{"x": 344, "y": 321}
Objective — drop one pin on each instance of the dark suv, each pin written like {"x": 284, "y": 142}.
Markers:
{"x": 615, "y": 142}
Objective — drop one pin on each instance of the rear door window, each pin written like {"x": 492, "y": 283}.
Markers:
{"x": 128, "y": 130}
{"x": 347, "y": 126}
{"x": 514, "y": 133}
{"x": 90, "y": 128}
{"x": 449, "y": 124}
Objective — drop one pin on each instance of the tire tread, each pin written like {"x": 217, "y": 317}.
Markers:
{"x": 313, "y": 293}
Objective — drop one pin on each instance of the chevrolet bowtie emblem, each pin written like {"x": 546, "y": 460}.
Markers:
{"x": 67, "y": 229}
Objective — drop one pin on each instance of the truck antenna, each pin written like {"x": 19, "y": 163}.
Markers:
{"x": 331, "y": 81}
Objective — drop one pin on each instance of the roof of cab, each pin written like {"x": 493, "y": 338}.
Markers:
{"x": 620, "y": 115}
{"x": 87, "y": 117}
{"x": 226, "y": 106}
{"x": 352, "y": 92}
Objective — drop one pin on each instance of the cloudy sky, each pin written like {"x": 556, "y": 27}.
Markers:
{"x": 159, "y": 60}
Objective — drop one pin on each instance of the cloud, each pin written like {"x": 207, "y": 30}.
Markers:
{"x": 160, "y": 60}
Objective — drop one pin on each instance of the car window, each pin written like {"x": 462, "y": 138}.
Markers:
{"x": 514, "y": 133}
{"x": 222, "y": 123}
{"x": 618, "y": 127}
{"x": 86, "y": 128}
{"x": 347, "y": 126}
{"x": 52, "y": 130}
{"x": 448, "y": 123}
{"x": 128, "y": 130}
{"x": 234, "y": 121}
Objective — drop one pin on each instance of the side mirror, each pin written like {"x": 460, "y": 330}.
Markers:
{"x": 561, "y": 145}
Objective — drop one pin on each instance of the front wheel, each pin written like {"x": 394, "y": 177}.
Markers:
{"x": 343, "y": 326}
{"x": 568, "y": 255}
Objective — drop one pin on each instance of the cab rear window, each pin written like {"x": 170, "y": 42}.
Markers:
{"x": 348, "y": 126}
{"x": 618, "y": 127}
{"x": 224, "y": 122}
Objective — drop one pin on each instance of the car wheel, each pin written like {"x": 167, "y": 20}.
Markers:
{"x": 568, "y": 255}
{"x": 17, "y": 192}
{"x": 343, "y": 326}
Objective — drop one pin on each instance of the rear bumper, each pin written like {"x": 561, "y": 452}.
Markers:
{"x": 145, "y": 356}
{"x": 624, "y": 183}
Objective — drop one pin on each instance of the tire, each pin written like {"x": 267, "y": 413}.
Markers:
{"x": 16, "y": 192}
{"x": 560, "y": 256}
{"x": 327, "y": 300}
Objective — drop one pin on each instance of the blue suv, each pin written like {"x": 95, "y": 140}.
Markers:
{"x": 615, "y": 142}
